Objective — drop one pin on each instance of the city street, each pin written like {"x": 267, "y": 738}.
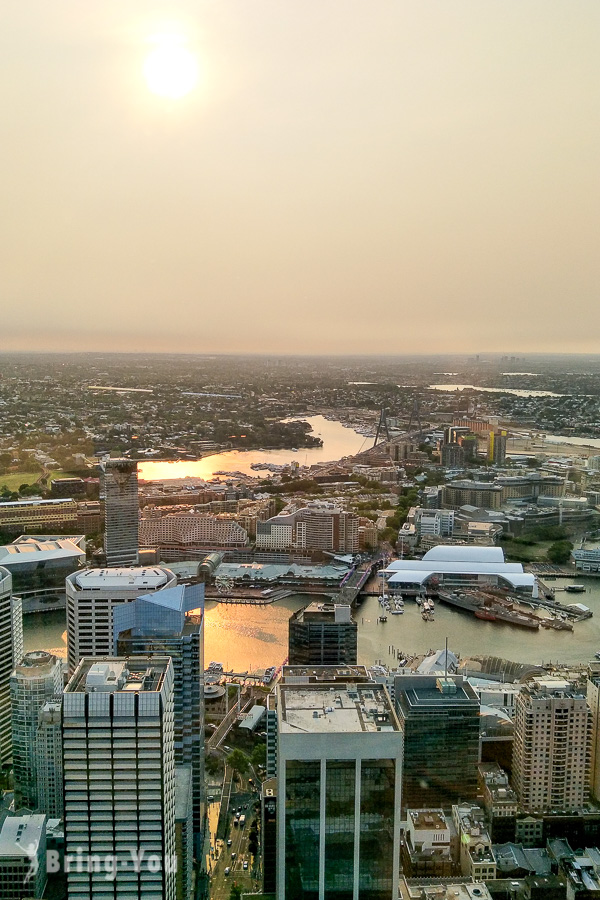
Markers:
{"x": 242, "y": 796}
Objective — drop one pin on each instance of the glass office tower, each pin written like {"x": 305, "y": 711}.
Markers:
{"x": 171, "y": 623}
{"x": 440, "y": 720}
{"x": 339, "y": 771}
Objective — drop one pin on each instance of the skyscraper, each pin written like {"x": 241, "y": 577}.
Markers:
{"x": 338, "y": 792}
{"x": 91, "y": 596}
{"x": 49, "y": 760}
{"x": 161, "y": 624}
{"x": 121, "y": 513}
{"x": 496, "y": 449}
{"x": 11, "y": 651}
{"x": 119, "y": 770}
{"x": 440, "y": 721}
{"x": 552, "y": 747}
{"x": 35, "y": 680}
{"x": 322, "y": 635}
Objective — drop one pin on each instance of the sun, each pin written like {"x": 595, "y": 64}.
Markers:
{"x": 171, "y": 70}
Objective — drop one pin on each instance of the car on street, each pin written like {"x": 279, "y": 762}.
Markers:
{"x": 233, "y": 855}
{"x": 227, "y": 870}
{"x": 245, "y": 864}
{"x": 229, "y": 842}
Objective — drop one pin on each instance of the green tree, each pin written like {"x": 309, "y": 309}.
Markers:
{"x": 259, "y": 755}
{"x": 559, "y": 552}
{"x": 235, "y": 893}
{"x": 238, "y": 761}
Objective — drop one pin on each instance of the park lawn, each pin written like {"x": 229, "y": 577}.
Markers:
{"x": 526, "y": 552}
{"x": 14, "y": 481}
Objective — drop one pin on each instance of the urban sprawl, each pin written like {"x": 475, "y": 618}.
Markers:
{"x": 138, "y": 494}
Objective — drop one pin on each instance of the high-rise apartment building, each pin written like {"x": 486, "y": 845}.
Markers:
{"x": 11, "y": 651}
{"x": 496, "y": 449}
{"x": 121, "y": 511}
{"x": 453, "y": 456}
{"x": 339, "y": 762}
{"x": 119, "y": 771}
{"x": 440, "y": 721}
{"x": 316, "y": 526}
{"x": 323, "y": 635}
{"x": 49, "y": 760}
{"x": 171, "y": 623}
{"x": 552, "y": 747}
{"x": 34, "y": 681}
{"x": 91, "y": 596}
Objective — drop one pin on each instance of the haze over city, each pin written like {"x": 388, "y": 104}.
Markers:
{"x": 339, "y": 177}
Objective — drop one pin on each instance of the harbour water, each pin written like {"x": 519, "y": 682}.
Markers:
{"x": 518, "y": 392}
{"x": 338, "y": 441}
{"x": 249, "y": 637}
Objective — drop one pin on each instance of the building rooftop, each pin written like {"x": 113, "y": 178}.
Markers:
{"x": 126, "y": 577}
{"x": 327, "y": 674}
{"x": 20, "y": 835}
{"x": 427, "y": 819}
{"x": 422, "y": 692}
{"x": 8, "y": 503}
{"x": 28, "y": 554}
{"x": 450, "y": 553}
{"x": 466, "y": 889}
{"x": 35, "y": 662}
{"x": 111, "y": 675}
{"x": 335, "y": 709}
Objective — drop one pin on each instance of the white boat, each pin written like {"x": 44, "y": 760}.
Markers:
{"x": 398, "y": 611}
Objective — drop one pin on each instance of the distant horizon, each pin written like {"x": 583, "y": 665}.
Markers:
{"x": 471, "y": 354}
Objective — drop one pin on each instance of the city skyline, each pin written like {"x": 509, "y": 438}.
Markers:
{"x": 423, "y": 162}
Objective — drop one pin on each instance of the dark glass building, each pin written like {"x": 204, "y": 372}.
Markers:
{"x": 440, "y": 720}
{"x": 322, "y": 634}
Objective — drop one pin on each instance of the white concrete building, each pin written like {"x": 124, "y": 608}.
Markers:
{"x": 11, "y": 651}
{"x": 91, "y": 596}
{"x": 339, "y": 768}
{"x": 181, "y": 530}
{"x": 454, "y": 566}
{"x": 119, "y": 771}
{"x": 34, "y": 681}
{"x": 23, "y": 842}
{"x": 552, "y": 747}
{"x": 477, "y": 858}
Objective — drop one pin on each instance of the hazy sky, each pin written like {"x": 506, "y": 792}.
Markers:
{"x": 348, "y": 176}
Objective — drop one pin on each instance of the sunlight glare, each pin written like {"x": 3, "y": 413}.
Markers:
{"x": 171, "y": 70}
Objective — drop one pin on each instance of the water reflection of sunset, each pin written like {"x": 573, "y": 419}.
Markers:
{"x": 338, "y": 441}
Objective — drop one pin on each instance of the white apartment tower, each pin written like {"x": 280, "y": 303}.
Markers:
{"x": 119, "y": 776}
{"x": 37, "y": 679}
{"x": 11, "y": 651}
{"x": 91, "y": 596}
{"x": 49, "y": 760}
{"x": 121, "y": 514}
{"x": 339, "y": 761}
{"x": 552, "y": 747}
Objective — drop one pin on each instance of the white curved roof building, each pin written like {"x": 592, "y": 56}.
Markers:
{"x": 460, "y": 566}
